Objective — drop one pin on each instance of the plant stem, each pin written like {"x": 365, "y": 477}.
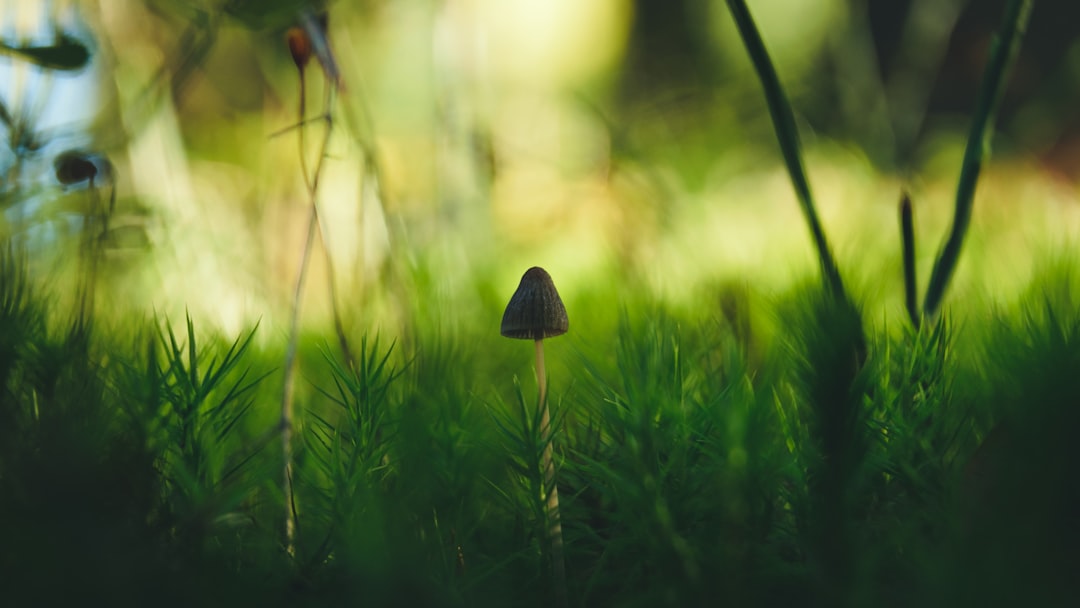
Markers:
{"x": 783, "y": 120}
{"x": 290, "y": 374}
{"x": 1002, "y": 53}
{"x": 90, "y": 249}
{"x": 907, "y": 235}
{"x": 558, "y": 561}
{"x": 312, "y": 183}
{"x": 311, "y": 180}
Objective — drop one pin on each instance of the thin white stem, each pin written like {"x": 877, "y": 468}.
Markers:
{"x": 287, "y": 388}
{"x": 558, "y": 561}
{"x": 311, "y": 181}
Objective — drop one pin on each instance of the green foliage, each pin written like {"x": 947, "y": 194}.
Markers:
{"x": 674, "y": 472}
{"x": 120, "y": 467}
{"x": 520, "y": 490}
{"x": 829, "y": 389}
{"x": 1021, "y": 488}
{"x": 1003, "y": 52}
{"x": 849, "y": 466}
{"x": 831, "y": 463}
{"x": 346, "y": 447}
{"x": 196, "y": 398}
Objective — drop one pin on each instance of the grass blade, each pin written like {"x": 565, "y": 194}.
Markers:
{"x": 1002, "y": 54}
{"x": 907, "y": 234}
{"x": 788, "y": 136}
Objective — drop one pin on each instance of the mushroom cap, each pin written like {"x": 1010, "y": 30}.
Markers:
{"x": 535, "y": 310}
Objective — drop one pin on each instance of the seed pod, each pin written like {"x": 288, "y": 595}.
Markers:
{"x": 299, "y": 46}
{"x": 74, "y": 167}
{"x": 69, "y": 54}
{"x": 535, "y": 310}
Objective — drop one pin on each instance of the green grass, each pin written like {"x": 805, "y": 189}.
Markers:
{"x": 828, "y": 462}
{"x": 734, "y": 447}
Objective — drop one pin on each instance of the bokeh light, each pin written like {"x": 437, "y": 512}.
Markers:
{"x": 475, "y": 138}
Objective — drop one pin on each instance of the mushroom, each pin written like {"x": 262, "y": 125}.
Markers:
{"x": 536, "y": 312}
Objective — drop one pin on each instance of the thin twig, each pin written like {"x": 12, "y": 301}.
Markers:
{"x": 297, "y": 125}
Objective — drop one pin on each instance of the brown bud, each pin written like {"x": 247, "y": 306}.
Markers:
{"x": 535, "y": 311}
{"x": 299, "y": 46}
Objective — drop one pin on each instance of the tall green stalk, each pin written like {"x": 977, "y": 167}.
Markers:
{"x": 907, "y": 241}
{"x": 788, "y": 136}
{"x": 1002, "y": 53}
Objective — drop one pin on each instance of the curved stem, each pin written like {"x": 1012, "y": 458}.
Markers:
{"x": 1002, "y": 53}
{"x": 783, "y": 120}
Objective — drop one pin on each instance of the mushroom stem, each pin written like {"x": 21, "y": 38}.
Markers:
{"x": 535, "y": 312}
{"x": 558, "y": 562}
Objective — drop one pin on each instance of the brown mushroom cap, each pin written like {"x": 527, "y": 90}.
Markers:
{"x": 535, "y": 311}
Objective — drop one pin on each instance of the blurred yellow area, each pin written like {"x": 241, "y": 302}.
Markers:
{"x": 468, "y": 144}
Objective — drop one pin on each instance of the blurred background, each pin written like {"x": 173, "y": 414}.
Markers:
{"x": 621, "y": 144}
